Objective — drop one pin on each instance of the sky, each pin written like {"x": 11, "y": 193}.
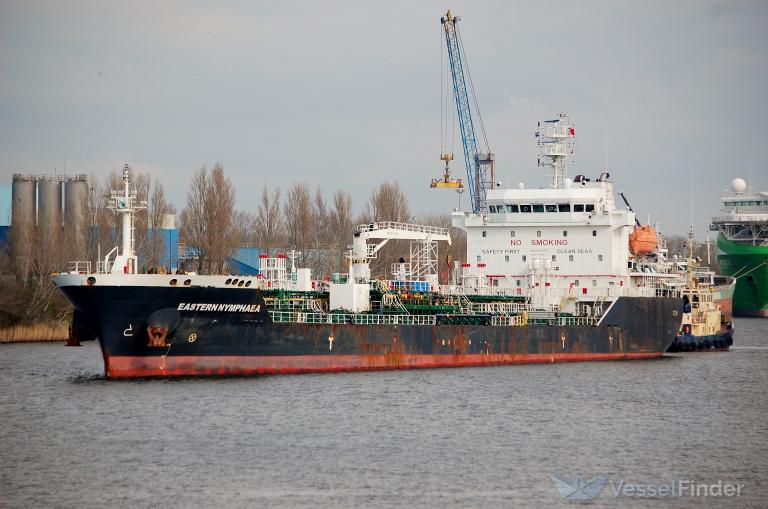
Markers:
{"x": 346, "y": 95}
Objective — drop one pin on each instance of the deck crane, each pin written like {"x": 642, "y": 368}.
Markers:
{"x": 479, "y": 165}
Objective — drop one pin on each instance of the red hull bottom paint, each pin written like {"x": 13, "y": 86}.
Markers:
{"x": 162, "y": 366}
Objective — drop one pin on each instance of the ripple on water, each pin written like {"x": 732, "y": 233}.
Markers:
{"x": 433, "y": 438}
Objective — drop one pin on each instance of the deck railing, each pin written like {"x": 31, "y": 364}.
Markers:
{"x": 520, "y": 320}
{"x": 80, "y": 267}
{"x": 351, "y": 319}
{"x": 384, "y": 225}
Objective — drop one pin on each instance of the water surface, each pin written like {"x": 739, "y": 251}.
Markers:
{"x": 466, "y": 437}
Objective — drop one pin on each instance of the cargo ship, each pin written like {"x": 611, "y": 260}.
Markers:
{"x": 548, "y": 278}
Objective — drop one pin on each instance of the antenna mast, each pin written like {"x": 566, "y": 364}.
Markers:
{"x": 126, "y": 203}
{"x": 555, "y": 140}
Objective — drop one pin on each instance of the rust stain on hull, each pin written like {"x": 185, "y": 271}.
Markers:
{"x": 138, "y": 367}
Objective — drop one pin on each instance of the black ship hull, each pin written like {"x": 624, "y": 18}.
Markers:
{"x": 147, "y": 331}
{"x": 719, "y": 342}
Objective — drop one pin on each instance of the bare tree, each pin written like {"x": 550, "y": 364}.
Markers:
{"x": 141, "y": 183}
{"x": 269, "y": 222}
{"x": 299, "y": 220}
{"x": 340, "y": 221}
{"x": 110, "y": 225}
{"x": 27, "y": 293}
{"x": 207, "y": 221}
{"x": 321, "y": 256}
{"x": 678, "y": 245}
{"x": 388, "y": 203}
{"x": 244, "y": 228}
{"x": 157, "y": 208}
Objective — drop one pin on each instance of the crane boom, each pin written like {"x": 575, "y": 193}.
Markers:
{"x": 477, "y": 164}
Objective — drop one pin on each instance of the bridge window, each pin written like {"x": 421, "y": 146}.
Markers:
{"x": 513, "y": 208}
{"x": 492, "y": 208}
{"x": 551, "y": 208}
{"x": 538, "y": 207}
{"x": 594, "y": 233}
{"x": 578, "y": 207}
{"x": 525, "y": 208}
{"x": 589, "y": 207}
{"x": 564, "y": 207}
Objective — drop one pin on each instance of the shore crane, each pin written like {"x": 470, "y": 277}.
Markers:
{"x": 479, "y": 165}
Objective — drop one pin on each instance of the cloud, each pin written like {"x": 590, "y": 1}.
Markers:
{"x": 346, "y": 95}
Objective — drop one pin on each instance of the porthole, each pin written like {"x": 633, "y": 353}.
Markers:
{"x": 248, "y": 283}
{"x": 227, "y": 281}
{"x": 187, "y": 282}
{"x": 241, "y": 283}
{"x": 234, "y": 281}
{"x": 91, "y": 281}
{"x": 173, "y": 282}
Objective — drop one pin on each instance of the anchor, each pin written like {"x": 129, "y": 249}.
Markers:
{"x": 157, "y": 336}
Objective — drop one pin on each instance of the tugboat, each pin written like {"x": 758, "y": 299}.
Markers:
{"x": 707, "y": 325}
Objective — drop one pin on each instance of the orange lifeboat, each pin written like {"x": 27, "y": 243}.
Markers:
{"x": 643, "y": 240}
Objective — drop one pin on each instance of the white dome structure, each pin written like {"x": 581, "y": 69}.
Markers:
{"x": 738, "y": 185}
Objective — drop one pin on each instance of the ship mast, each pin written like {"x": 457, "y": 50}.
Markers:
{"x": 126, "y": 203}
{"x": 555, "y": 145}
{"x": 690, "y": 266}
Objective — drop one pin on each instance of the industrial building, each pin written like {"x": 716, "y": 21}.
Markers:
{"x": 45, "y": 204}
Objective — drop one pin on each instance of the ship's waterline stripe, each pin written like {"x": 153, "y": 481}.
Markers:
{"x": 149, "y": 366}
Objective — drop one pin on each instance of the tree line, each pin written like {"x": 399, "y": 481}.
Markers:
{"x": 210, "y": 227}
{"x": 320, "y": 229}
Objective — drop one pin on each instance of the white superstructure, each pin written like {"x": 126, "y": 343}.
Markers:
{"x": 744, "y": 215}
{"x": 571, "y": 233}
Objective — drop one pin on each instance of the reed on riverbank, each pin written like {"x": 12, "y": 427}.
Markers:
{"x": 34, "y": 333}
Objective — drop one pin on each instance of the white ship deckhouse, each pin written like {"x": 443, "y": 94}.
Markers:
{"x": 571, "y": 233}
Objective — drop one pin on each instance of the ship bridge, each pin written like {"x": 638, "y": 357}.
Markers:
{"x": 744, "y": 218}
{"x": 575, "y": 228}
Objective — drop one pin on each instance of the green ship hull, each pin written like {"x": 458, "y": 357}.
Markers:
{"x": 750, "y": 265}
